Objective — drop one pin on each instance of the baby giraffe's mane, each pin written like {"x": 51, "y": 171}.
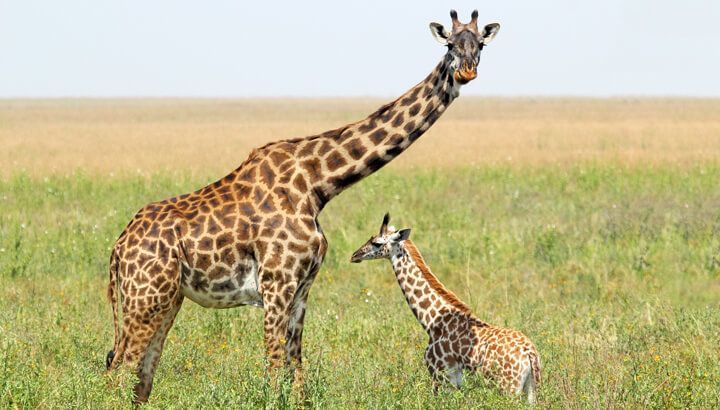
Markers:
{"x": 433, "y": 281}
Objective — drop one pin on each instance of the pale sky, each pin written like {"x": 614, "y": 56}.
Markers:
{"x": 121, "y": 48}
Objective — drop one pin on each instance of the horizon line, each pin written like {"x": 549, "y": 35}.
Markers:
{"x": 358, "y": 97}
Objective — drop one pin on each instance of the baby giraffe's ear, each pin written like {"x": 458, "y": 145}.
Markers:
{"x": 403, "y": 235}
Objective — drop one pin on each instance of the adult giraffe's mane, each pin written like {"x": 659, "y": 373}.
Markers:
{"x": 333, "y": 132}
{"x": 433, "y": 281}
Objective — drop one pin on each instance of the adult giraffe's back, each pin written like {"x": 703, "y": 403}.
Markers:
{"x": 252, "y": 238}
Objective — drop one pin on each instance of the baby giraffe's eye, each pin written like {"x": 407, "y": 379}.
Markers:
{"x": 376, "y": 242}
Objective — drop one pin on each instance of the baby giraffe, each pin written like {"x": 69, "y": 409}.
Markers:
{"x": 458, "y": 340}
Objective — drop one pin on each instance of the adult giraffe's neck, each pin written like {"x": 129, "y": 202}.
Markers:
{"x": 351, "y": 153}
{"x": 428, "y": 299}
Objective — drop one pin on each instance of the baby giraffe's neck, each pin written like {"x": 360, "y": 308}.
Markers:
{"x": 429, "y": 300}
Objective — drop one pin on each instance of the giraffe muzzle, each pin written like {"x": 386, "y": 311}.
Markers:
{"x": 356, "y": 257}
{"x": 466, "y": 73}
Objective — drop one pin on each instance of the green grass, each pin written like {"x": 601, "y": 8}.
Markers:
{"x": 613, "y": 272}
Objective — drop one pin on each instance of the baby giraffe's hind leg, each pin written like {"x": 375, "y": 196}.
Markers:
{"x": 455, "y": 375}
{"x": 529, "y": 389}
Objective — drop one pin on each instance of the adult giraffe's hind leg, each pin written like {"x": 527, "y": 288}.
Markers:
{"x": 149, "y": 309}
{"x": 149, "y": 362}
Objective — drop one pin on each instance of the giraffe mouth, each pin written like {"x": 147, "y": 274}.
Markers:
{"x": 465, "y": 74}
{"x": 356, "y": 257}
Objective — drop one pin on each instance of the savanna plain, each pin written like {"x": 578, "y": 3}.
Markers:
{"x": 593, "y": 226}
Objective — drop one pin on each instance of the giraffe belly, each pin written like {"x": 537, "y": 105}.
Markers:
{"x": 234, "y": 287}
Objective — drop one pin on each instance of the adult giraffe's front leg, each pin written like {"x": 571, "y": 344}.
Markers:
{"x": 295, "y": 329}
{"x": 299, "y": 303}
{"x": 278, "y": 289}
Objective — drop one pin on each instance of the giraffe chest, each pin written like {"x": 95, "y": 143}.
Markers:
{"x": 222, "y": 286}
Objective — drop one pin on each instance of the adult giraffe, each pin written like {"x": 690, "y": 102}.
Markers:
{"x": 252, "y": 238}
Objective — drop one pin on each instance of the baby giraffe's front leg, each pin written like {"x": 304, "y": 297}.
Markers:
{"x": 433, "y": 367}
{"x": 442, "y": 366}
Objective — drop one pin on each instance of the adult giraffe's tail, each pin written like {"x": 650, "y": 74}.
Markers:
{"x": 112, "y": 294}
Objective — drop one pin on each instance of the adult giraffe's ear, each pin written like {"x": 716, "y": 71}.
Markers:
{"x": 489, "y": 32}
{"x": 384, "y": 226}
{"x": 439, "y": 32}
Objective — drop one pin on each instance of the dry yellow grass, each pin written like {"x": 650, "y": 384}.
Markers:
{"x": 214, "y": 136}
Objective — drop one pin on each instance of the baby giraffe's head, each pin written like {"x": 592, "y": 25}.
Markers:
{"x": 383, "y": 245}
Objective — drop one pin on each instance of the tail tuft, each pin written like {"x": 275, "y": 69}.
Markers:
{"x": 109, "y": 358}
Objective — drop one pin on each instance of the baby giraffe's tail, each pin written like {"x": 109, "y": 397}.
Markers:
{"x": 532, "y": 381}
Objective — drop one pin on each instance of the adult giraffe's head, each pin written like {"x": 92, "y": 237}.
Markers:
{"x": 383, "y": 245}
{"x": 464, "y": 43}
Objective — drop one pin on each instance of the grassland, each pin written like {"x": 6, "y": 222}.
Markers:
{"x": 599, "y": 238}
{"x": 211, "y": 137}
